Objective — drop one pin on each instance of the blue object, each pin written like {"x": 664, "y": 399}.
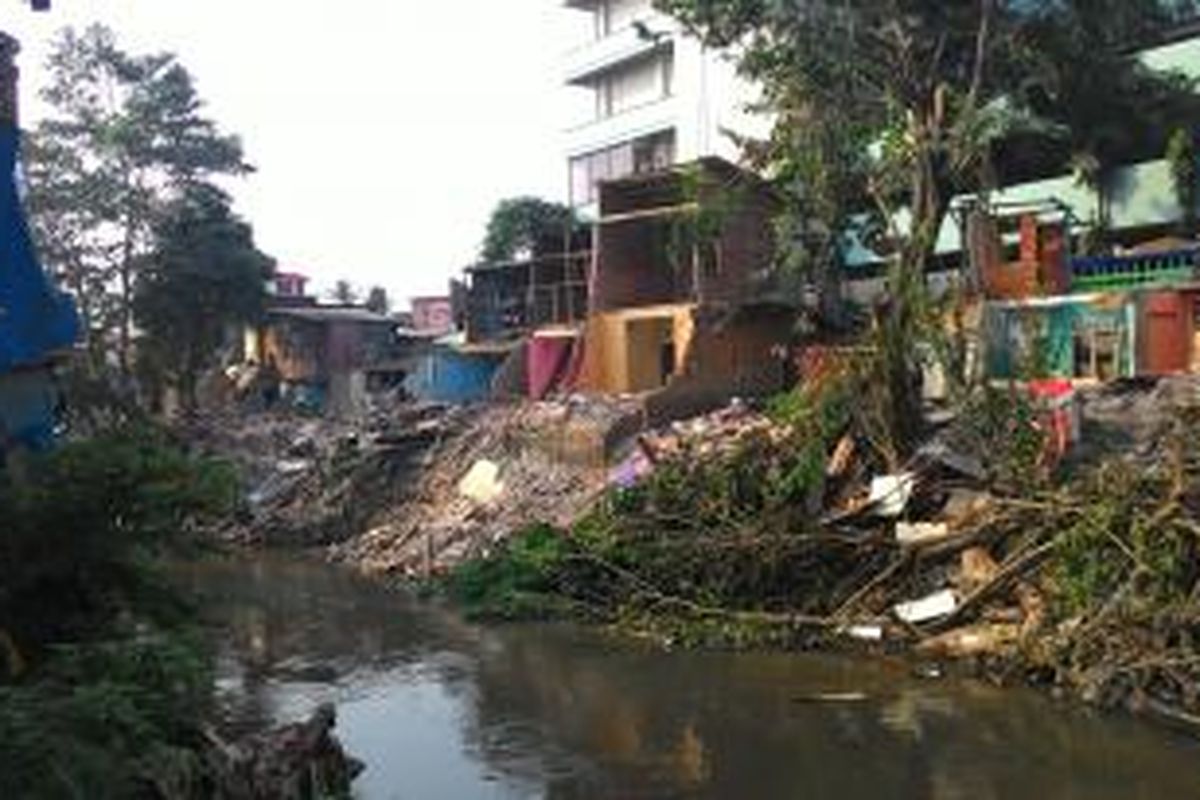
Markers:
{"x": 35, "y": 318}
{"x": 446, "y": 375}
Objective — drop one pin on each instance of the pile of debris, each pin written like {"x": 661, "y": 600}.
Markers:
{"x": 311, "y": 481}
{"x": 987, "y": 546}
{"x": 508, "y": 467}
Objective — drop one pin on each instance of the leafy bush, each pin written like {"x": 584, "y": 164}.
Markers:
{"x": 102, "y": 681}
{"x": 106, "y": 721}
{"x": 516, "y": 582}
{"x": 81, "y": 523}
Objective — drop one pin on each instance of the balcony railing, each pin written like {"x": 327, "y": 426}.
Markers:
{"x": 1097, "y": 273}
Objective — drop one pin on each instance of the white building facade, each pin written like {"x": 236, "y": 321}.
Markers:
{"x": 657, "y": 97}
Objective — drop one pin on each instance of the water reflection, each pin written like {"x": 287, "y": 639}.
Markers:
{"x": 439, "y": 708}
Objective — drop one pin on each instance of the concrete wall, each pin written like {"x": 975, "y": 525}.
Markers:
{"x": 611, "y": 365}
{"x": 714, "y": 358}
{"x": 296, "y": 348}
{"x": 739, "y": 356}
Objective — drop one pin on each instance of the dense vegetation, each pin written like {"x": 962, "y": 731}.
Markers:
{"x": 104, "y": 681}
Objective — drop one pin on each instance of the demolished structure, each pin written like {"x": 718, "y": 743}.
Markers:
{"x": 678, "y": 304}
{"x": 325, "y": 358}
{"x": 667, "y": 299}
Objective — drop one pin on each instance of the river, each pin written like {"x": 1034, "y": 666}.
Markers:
{"x": 439, "y": 708}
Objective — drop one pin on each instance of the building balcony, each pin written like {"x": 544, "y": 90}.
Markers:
{"x": 585, "y": 63}
{"x": 643, "y": 120}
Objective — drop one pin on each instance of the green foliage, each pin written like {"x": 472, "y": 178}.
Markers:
{"x": 344, "y": 292}
{"x": 106, "y": 721}
{"x": 203, "y": 275}
{"x": 80, "y": 524}
{"x": 517, "y": 581}
{"x": 378, "y": 301}
{"x": 1001, "y": 427}
{"x": 102, "y": 680}
{"x": 728, "y": 531}
{"x": 1182, "y": 158}
{"x": 124, "y": 137}
{"x": 894, "y": 109}
{"x": 1122, "y": 542}
{"x": 519, "y": 226}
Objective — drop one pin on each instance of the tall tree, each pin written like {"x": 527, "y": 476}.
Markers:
{"x": 378, "y": 301}
{"x": 934, "y": 87}
{"x": 125, "y": 138}
{"x": 519, "y": 224}
{"x": 344, "y": 292}
{"x": 203, "y": 275}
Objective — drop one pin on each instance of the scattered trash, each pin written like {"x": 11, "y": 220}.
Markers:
{"x": 482, "y": 482}
{"x": 918, "y": 533}
{"x": 840, "y": 459}
{"x": 966, "y": 506}
{"x": 977, "y": 567}
{"x": 890, "y": 493}
{"x": 866, "y": 633}
{"x": 937, "y": 451}
{"x": 833, "y": 697}
{"x": 971, "y": 640}
{"x": 636, "y": 466}
{"x": 938, "y": 604}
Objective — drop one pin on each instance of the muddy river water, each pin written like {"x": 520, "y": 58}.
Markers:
{"x": 439, "y": 708}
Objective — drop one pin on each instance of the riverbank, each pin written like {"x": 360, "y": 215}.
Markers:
{"x": 1079, "y": 575}
{"x": 1007, "y": 546}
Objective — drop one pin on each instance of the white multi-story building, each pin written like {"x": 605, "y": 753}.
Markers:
{"x": 659, "y": 97}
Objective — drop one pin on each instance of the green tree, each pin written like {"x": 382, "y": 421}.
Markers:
{"x": 203, "y": 275}
{"x": 344, "y": 292}
{"x": 378, "y": 301}
{"x": 518, "y": 225}
{"x": 125, "y": 137}
{"x": 934, "y": 89}
{"x": 1113, "y": 108}
{"x": 1182, "y": 157}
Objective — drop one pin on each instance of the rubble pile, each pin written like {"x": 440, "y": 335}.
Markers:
{"x": 986, "y": 547}
{"x": 509, "y": 467}
{"x": 313, "y": 481}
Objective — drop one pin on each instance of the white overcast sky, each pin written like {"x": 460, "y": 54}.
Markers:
{"x": 383, "y": 131}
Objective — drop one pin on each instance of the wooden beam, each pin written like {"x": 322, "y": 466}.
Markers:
{"x": 651, "y": 213}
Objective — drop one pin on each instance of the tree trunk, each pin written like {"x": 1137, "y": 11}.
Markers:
{"x": 126, "y": 311}
{"x": 908, "y": 293}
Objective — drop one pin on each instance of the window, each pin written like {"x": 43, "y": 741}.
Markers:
{"x": 640, "y": 83}
{"x": 654, "y": 153}
{"x": 648, "y": 154}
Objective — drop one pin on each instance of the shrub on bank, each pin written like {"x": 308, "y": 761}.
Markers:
{"x": 102, "y": 680}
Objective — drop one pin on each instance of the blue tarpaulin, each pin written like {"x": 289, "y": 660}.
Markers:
{"x": 446, "y": 375}
{"x": 35, "y": 318}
